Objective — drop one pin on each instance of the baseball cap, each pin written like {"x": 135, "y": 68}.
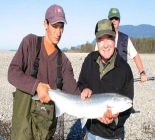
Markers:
{"x": 114, "y": 12}
{"x": 55, "y": 14}
{"x": 104, "y": 27}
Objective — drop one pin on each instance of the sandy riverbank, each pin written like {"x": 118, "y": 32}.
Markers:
{"x": 140, "y": 126}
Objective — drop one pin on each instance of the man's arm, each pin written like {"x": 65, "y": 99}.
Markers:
{"x": 21, "y": 62}
{"x": 134, "y": 55}
{"x": 140, "y": 67}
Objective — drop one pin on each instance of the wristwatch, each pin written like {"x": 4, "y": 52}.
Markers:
{"x": 143, "y": 72}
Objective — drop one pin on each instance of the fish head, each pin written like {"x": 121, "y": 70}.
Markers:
{"x": 120, "y": 103}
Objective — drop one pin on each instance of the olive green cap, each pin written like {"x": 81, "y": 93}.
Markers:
{"x": 114, "y": 12}
{"x": 104, "y": 27}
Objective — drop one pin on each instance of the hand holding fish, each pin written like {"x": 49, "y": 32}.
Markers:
{"x": 86, "y": 93}
{"x": 42, "y": 90}
{"x": 108, "y": 117}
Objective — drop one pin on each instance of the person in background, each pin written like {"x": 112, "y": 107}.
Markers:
{"x": 124, "y": 44}
{"x": 104, "y": 71}
{"x": 36, "y": 120}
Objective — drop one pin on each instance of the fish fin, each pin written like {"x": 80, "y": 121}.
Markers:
{"x": 116, "y": 120}
{"x": 58, "y": 111}
{"x": 83, "y": 122}
{"x": 35, "y": 97}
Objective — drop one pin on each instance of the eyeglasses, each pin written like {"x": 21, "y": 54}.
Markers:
{"x": 114, "y": 18}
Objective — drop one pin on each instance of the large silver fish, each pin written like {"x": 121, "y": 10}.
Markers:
{"x": 91, "y": 108}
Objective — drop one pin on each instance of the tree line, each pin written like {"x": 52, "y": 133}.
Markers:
{"x": 142, "y": 45}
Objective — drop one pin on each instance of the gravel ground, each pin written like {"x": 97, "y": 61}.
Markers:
{"x": 140, "y": 125}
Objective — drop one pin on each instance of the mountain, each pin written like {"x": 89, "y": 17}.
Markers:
{"x": 65, "y": 49}
{"x": 139, "y": 31}
{"x": 94, "y": 42}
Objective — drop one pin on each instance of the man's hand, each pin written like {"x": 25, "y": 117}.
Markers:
{"x": 42, "y": 90}
{"x": 108, "y": 117}
{"x": 143, "y": 77}
{"x": 86, "y": 93}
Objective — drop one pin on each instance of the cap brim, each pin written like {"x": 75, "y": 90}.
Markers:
{"x": 57, "y": 19}
{"x": 105, "y": 32}
{"x": 114, "y": 16}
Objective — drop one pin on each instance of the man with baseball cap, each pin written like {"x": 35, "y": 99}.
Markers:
{"x": 104, "y": 71}
{"x": 124, "y": 44}
{"x": 35, "y": 72}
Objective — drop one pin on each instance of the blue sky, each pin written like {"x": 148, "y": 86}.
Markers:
{"x": 21, "y": 17}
